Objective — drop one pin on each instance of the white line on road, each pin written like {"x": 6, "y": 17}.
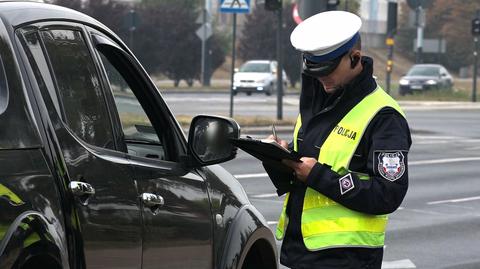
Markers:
{"x": 272, "y": 222}
{"x": 467, "y": 199}
{"x": 442, "y": 161}
{"x": 400, "y": 264}
{"x": 266, "y": 195}
{"x": 251, "y": 175}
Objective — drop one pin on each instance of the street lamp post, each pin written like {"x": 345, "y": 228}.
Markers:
{"x": 279, "y": 66}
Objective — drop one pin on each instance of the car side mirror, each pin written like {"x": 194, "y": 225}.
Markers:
{"x": 443, "y": 75}
{"x": 209, "y": 139}
{"x": 235, "y": 70}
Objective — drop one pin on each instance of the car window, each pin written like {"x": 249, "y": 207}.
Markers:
{"x": 255, "y": 68}
{"x": 140, "y": 136}
{"x": 75, "y": 89}
{"x": 37, "y": 58}
{"x": 423, "y": 71}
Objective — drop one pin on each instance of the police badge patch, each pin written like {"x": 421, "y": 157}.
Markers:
{"x": 346, "y": 184}
{"x": 391, "y": 165}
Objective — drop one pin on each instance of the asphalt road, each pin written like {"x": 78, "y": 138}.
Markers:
{"x": 456, "y": 119}
{"x": 438, "y": 224}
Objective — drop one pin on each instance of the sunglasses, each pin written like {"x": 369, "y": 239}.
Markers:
{"x": 321, "y": 69}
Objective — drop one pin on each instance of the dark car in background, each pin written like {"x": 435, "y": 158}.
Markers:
{"x": 95, "y": 172}
{"x": 423, "y": 77}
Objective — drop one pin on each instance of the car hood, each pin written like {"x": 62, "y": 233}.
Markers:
{"x": 251, "y": 76}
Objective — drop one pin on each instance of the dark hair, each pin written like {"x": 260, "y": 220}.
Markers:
{"x": 358, "y": 44}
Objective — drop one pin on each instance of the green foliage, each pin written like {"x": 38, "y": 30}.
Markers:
{"x": 259, "y": 40}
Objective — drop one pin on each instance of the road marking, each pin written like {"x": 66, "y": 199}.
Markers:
{"x": 272, "y": 222}
{"x": 432, "y": 137}
{"x": 266, "y": 195}
{"x": 467, "y": 199}
{"x": 434, "y": 142}
{"x": 442, "y": 161}
{"x": 426, "y": 212}
{"x": 251, "y": 175}
{"x": 400, "y": 264}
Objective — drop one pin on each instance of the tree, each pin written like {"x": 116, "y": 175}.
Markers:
{"x": 352, "y": 5}
{"x": 443, "y": 20}
{"x": 259, "y": 40}
{"x": 165, "y": 40}
{"x": 168, "y": 42}
{"x": 108, "y": 12}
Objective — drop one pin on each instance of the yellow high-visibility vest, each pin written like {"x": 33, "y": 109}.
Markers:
{"x": 326, "y": 223}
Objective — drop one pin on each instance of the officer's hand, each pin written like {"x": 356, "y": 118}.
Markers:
{"x": 282, "y": 143}
{"x": 303, "y": 169}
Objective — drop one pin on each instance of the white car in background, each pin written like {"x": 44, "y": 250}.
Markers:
{"x": 257, "y": 76}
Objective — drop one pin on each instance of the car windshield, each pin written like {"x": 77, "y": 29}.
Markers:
{"x": 255, "y": 68}
{"x": 429, "y": 71}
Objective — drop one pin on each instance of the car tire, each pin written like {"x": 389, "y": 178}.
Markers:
{"x": 249, "y": 93}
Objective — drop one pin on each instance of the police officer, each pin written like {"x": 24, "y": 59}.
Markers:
{"x": 354, "y": 138}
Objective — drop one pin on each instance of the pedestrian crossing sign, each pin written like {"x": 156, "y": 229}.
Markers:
{"x": 235, "y": 6}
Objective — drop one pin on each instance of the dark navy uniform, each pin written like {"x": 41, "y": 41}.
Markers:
{"x": 387, "y": 132}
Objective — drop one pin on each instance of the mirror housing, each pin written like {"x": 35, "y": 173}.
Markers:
{"x": 209, "y": 140}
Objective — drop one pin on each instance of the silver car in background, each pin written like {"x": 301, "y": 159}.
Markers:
{"x": 422, "y": 77}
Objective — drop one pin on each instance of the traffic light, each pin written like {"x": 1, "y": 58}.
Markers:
{"x": 273, "y": 4}
{"x": 476, "y": 27}
{"x": 392, "y": 19}
{"x": 389, "y": 66}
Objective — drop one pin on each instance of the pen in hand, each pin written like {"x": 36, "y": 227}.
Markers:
{"x": 274, "y": 132}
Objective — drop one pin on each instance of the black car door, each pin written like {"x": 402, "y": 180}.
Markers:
{"x": 178, "y": 231}
{"x": 106, "y": 205}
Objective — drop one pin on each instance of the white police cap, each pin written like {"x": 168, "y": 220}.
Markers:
{"x": 326, "y": 35}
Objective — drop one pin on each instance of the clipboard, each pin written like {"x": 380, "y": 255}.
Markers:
{"x": 265, "y": 150}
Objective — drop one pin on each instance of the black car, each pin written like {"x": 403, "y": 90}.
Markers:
{"x": 423, "y": 77}
{"x": 95, "y": 172}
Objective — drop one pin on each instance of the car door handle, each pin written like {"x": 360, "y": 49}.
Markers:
{"x": 82, "y": 190}
{"x": 152, "y": 200}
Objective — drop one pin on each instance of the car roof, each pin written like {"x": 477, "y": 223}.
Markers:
{"x": 18, "y": 13}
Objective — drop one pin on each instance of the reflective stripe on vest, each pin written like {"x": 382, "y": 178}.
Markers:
{"x": 325, "y": 223}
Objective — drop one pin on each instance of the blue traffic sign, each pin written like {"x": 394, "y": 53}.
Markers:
{"x": 235, "y": 6}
